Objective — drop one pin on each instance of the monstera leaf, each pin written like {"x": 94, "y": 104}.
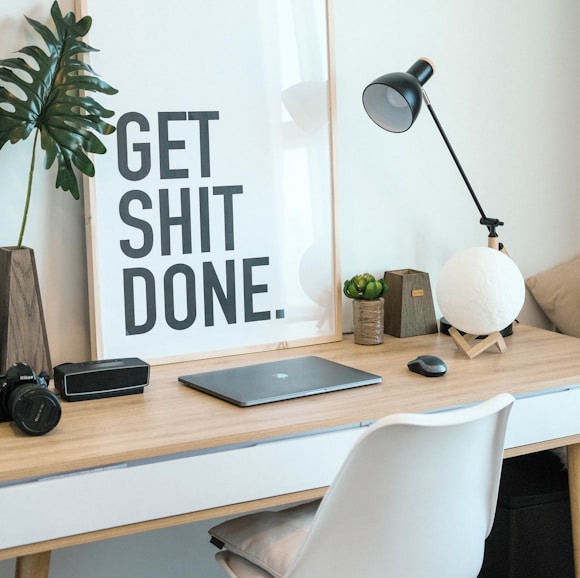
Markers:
{"x": 51, "y": 98}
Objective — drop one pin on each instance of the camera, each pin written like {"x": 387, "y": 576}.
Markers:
{"x": 26, "y": 399}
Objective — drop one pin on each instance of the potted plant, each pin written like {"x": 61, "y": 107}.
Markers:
{"x": 368, "y": 307}
{"x": 46, "y": 93}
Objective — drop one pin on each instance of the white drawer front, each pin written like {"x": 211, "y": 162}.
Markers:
{"x": 544, "y": 417}
{"x": 95, "y": 500}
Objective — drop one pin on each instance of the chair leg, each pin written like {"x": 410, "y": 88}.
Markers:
{"x": 33, "y": 565}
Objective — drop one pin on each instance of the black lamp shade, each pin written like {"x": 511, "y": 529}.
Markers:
{"x": 393, "y": 101}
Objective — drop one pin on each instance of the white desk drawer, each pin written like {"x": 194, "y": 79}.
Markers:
{"x": 548, "y": 416}
{"x": 63, "y": 506}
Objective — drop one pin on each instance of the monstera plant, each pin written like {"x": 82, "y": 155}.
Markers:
{"x": 48, "y": 93}
{"x": 52, "y": 99}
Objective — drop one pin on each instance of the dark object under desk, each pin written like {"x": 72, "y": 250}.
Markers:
{"x": 532, "y": 533}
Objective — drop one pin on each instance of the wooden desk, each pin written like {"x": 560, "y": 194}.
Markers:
{"x": 169, "y": 456}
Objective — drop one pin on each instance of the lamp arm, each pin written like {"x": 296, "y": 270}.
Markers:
{"x": 490, "y": 223}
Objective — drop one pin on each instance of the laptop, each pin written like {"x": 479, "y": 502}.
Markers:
{"x": 278, "y": 380}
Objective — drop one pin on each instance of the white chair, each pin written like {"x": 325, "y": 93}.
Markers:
{"x": 415, "y": 498}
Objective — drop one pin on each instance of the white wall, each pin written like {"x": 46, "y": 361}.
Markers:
{"x": 505, "y": 90}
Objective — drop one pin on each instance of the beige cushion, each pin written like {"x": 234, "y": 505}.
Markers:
{"x": 270, "y": 540}
{"x": 557, "y": 292}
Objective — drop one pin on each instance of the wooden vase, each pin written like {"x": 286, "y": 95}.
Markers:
{"x": 22, "y": 329}
{"x": 368, "y": 320}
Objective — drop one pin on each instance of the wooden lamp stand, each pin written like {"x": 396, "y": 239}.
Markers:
{"x": 466, "y": 343}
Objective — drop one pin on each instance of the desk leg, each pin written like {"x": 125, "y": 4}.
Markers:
{"x": 574, "y": 483}
{"x": 33, "y": 565}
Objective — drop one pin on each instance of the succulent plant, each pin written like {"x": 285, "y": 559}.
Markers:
{"x": 364, "y": 286}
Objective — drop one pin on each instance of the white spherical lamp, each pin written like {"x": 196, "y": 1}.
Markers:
{"x": 480, "y": 291}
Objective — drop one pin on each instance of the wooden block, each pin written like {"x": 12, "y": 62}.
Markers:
{"x": 22, "y": 328}
{"x": 409, "y": 306}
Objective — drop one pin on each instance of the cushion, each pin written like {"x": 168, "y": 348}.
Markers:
{"x": 557, "y": 292}
{"x": 270, "y": 539}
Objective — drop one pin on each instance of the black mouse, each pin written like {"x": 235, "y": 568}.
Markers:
{"x": 428, "y": 365}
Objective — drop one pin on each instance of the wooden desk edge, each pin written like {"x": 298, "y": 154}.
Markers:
{"x": 83, "y": 444}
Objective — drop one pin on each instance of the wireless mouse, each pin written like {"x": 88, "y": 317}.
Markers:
{"x": 428, "y": 365}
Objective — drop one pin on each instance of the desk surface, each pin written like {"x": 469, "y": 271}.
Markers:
{"x": 170, "y": 418}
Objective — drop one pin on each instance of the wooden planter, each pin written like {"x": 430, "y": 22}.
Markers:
{"x": 22, "y": 328}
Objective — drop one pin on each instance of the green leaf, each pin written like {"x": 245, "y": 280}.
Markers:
{"x": 55, "y": 84}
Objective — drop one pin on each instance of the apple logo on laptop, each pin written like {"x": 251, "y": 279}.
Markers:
{"x": 280, "y": 375}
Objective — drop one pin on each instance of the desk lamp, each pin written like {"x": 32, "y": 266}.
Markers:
{"x": 393, "y": 101}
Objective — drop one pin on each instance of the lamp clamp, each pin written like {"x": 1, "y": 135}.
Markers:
{"x": 493, "y": 237}
{"x": 491, "y": 224}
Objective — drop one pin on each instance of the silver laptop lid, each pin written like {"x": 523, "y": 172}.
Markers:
{"x": 278, "y": 380}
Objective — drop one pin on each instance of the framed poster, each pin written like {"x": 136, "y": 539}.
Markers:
{"x": 211, "y": 218}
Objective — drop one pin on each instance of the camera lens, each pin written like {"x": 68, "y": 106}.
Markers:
{"x": 35, "y": 410}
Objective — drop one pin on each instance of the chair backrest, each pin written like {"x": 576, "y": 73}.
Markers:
{"x": 415, "y": 498}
